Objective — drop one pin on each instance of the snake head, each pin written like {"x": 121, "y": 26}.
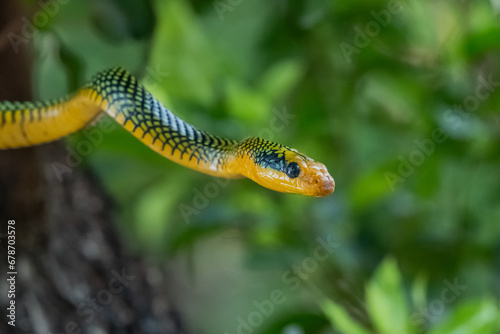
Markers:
{"x": 312, "y": 177}
{"x": 284, "y": 169}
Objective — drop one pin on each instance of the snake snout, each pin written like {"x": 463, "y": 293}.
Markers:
{"x": 321, "y": 182}
{"x": 326, "y": 185}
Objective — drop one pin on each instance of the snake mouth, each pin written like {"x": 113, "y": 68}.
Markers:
{"x": 317, "y": 179}
{"x": 325, "y": 186}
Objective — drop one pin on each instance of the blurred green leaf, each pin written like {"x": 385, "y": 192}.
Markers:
{"x": 154, "y": 211}
{"x": 245, "y": 103}
{"x": 419, "y": 292}
{"x": 385, "y": 299}
{"x": 182, "y": 49}
{"x": 471, "y": 317}
{"x": 340, "y": 319}
{"x": 280, "y": 78}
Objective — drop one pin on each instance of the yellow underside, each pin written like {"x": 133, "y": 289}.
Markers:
{"x": 21, "y": 129}
{"x": 210, "y": 168}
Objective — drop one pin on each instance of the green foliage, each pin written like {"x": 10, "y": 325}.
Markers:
{"x": 389, "y": 312}
{"x": 405, "y": 117}
{"x": 341, "y": 319}
{"x": 385, "y": 300}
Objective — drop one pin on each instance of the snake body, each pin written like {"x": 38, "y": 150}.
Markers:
{"x": 119, "y": 94}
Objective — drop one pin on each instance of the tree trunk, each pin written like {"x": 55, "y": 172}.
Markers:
{"x": 74, "y": 275}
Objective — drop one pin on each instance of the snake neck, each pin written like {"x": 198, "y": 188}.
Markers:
{"x": 156, "y": 126}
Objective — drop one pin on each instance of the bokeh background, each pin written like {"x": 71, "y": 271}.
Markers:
{"x": 399, "y": 99}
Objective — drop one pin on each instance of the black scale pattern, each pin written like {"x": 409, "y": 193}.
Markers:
{"x": 121, "y": 90}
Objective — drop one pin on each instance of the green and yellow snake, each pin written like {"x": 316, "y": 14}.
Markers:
{"x": 119, "y": 94}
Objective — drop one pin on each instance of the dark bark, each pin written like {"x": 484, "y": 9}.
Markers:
{"x": 74, "y": 274}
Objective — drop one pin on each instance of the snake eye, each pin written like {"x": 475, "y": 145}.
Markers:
{"x": 292, "y": 170}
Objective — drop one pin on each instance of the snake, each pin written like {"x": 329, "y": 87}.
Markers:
{"x": 119, "y": 94}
